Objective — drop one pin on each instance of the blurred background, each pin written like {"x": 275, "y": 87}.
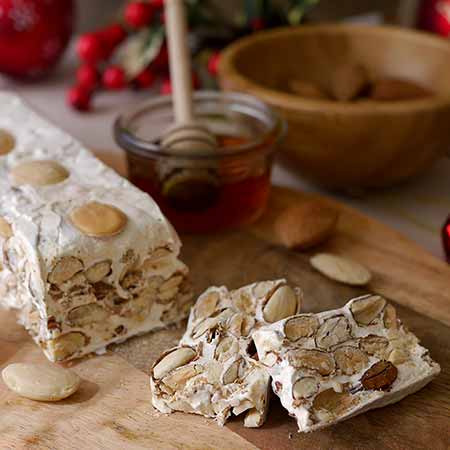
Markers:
{"x": 94, "y": 13}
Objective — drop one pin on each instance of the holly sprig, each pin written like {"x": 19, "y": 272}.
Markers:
{"x": 133, "y": 51}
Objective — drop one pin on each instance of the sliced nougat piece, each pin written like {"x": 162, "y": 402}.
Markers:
{"x": 242, "y": 310}
{"x": 330, "y": 366}
{"x": 214, "y": 372}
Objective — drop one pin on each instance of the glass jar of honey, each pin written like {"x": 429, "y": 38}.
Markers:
{"x": 198, "y": 191}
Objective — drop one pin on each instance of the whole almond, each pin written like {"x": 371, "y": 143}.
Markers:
{"x": 306, "y": 225}
{"x": 349, "y": 81}
{"x": 395, "y": 89}
{"x": 41, "y": 382}
{"x": 307, "y": 89}
{"x": 341, "y": 269}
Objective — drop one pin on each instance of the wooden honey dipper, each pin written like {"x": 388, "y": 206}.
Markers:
{"x": 187, "y": 133}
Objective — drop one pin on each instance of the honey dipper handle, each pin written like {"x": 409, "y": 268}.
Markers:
{"x": 180, "y": 62}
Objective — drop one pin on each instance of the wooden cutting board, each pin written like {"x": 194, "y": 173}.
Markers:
{"x": 112, "y": 409}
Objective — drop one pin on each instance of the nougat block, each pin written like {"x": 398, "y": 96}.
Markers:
{"x": 86, "y": 258}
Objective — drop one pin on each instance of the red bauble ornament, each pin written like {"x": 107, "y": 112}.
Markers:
{"x": 114, "y": 78}
{"x": 145, "y": 79}
{"x": 138, "y": 14}
{"x": 434, "y": 15}
{"x": 88, "y": 76}
{"x": 446, "y": 238}
{"x": 79, "y": 98}
{"x": 91, "y": 48}
{"x": 213, "y": 63}
{"x": 33, "y": 35}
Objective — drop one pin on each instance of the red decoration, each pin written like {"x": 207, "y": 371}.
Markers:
{"x": 166, "y": 87}
{"x": 91, "y": 48}
{"x": 257, "y": 24}
{"x": 79, "y": 98}
{"x": 213, "y": 63}
{"x": 158, "y": 4}
{"x": 446, "y": 238}
{"x": 161, "y": 62}
{"x": 145, "y": 79}
{"x": 33, "y": 35}
{"x": 434, "y": 15}
{"x": 138, "y": 14}
{"x": 114, "y": 78}
{"x": 113, "y": 35}
{"x": 88, "y": 77}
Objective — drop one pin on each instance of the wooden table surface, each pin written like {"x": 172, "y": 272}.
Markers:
{"x": 112, "y": 409}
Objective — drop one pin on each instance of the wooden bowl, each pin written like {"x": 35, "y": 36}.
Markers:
{"x": 349, "y": 145}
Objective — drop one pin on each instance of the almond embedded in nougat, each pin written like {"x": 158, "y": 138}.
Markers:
{"x": 5, "y": 229}
{"x": 7, "y": 142}
{"x": 172, "y": 360}
{"x": 39, "y": 173}
{"x": 98, "y": 219}
{"x": 281, "y": 304}
{"x": 366, "y": 309}
{"x": 380, "y": 376}
{"x": 306, "y": 225}
{"x": 301, "y": 327}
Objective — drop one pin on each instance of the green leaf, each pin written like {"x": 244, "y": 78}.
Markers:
{"x": 139, "y": 50}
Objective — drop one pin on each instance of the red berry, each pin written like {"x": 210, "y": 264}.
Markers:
{"x": 213, "y": 63}
{"x": 196, "y": 83}
{"x": 79, "y": 98}
{"x": 145, "y": 79}
{"x": 88, "y": 77}
{"x": 91, "y": 48}
{"x": 257, "y": 24}
{"x": 113, "y": 35}
{"x": 138, "y": 14}
{"x": 161, "y": 62}
{"x": 166, "y": 87}
{"x": 114, "y": 78}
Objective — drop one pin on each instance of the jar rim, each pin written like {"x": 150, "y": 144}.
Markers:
{"x": 130, "y": 142}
